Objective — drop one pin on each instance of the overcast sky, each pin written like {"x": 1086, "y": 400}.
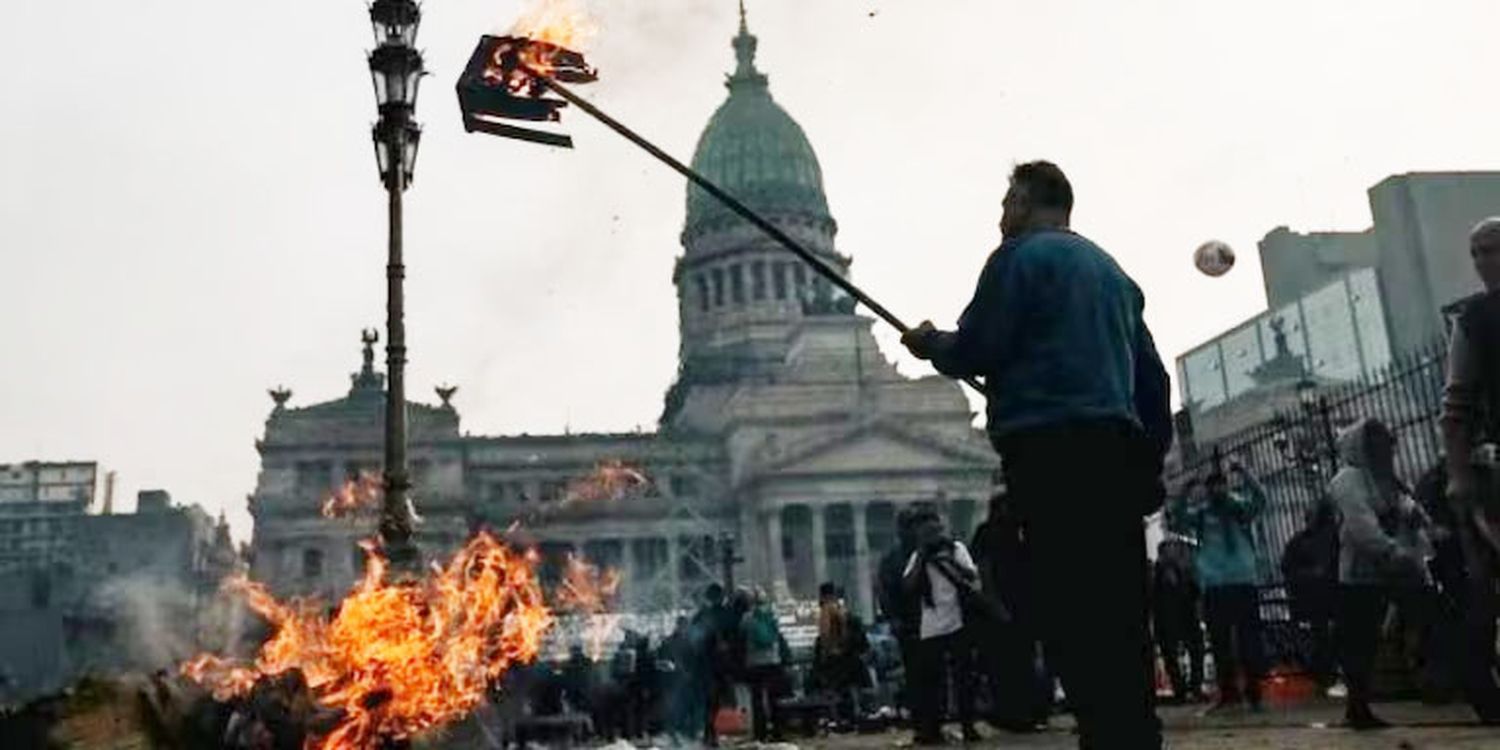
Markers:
{"x": 190, "y": 210}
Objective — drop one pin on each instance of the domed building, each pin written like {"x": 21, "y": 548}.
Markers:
{"x": 786, "y": 445}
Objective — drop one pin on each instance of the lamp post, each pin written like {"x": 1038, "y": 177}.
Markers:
{"x": 396, "y": 69}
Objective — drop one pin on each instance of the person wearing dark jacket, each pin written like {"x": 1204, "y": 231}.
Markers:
{"x": 895, "y": 605}
{"x": 937, "y": 575}
{"x": 1078, "y": 410}
{"x": 1471, "y": 442}
{"x": 1020, "y": 693}
{"x": 1174, "y": 612}
{"x": 1310, "y": 567}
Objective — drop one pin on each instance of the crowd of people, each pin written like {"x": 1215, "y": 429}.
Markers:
{"x": 1055, "y": 589}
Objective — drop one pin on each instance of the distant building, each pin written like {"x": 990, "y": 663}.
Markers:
{"x": 1335, "y": 333}
{"x": 1422, "y": 223}
{"x": 787, "y": 431}
{"x": 1294, "y": 264}
{"x": 1349, "y": 303}
{"x": 126, "y": 592}
{"x": 40, "y": 504}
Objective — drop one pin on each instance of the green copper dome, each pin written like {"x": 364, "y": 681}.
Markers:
{"x": 756, "y": 151}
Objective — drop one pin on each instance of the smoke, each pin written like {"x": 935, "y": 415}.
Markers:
{"x": 155, "y": 624}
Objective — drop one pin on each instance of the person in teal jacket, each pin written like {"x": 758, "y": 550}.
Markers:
{"x": 1221, "y": 520}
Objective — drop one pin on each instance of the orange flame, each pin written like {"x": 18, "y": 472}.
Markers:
{"x": 589, "y": 590}
{"x": 610, "y": 480}
{"x": 564, "y": 23}
{"x": 360, "y": 493}
{"x": 547, "y": 29}
{"x": 397, "y": 657}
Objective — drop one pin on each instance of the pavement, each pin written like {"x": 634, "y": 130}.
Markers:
{"x": 1311, "y": 727}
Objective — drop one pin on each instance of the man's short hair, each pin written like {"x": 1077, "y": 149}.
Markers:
{"x": 1486, "y": 232}
{"x": 1046, "y": 185}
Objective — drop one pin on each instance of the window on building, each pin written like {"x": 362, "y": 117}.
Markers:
{"x": 357, "y": 559}
{"x": 312, "y": 563}
{"x": 497, "y": 492}
{"x": 799, "y": 275}
{"x": 313, "y": 475}
{"x": 702, "y": 292}
{"x": 778, "y": 279}
{"x": 737, "y": 284}
{"x": 552, "y": 490}
{"x": 758, "y": 280}
{"x": 718, "y": 279}
{"x": 683, "y": 486}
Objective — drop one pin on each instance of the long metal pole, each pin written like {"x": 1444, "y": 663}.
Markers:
{"x": 734, "y": 204}
{"x": 395, "y": 522}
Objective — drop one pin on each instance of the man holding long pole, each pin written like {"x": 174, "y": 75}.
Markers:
{"x": 1078, "y": 412}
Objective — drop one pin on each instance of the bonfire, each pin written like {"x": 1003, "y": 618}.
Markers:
{"x": 396, "y": 657}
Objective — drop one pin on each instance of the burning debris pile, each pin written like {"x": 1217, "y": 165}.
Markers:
{"x": 358, "y": 495}
{"x": 395, "y": 657}
{"x": 610, "y": 480}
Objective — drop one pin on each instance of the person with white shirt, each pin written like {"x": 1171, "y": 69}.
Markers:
{"x": 938, "y": 574}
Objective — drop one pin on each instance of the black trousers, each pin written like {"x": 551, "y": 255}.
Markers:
{"x": 1178, "y": 630}
{"x": 1071, "y": 485}
{"x": 1234, "y": 633}
{"x": 1481, "y": 605}
{"x": 1018, "y": 691}
{"x": 764, "y": 716}
{"x": 941, "y": 660}
{"x": 1360, "y": 614}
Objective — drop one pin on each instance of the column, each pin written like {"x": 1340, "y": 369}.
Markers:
{"x": 631, "y": 595}
{"x": 862, "y": 579}
{"x": 777, "y": 567}
{"x": 819, "y": 547}
{"x": 674, "y": 572}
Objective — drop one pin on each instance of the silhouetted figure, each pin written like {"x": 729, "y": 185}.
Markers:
{"x": 1471, "y": 441}
{"x": 716, "y": 624}
{"x": 1020, "y": 691}
{"x": 1078, "y": 410}
{"x": 1310, "y": 567}
{"x": 1174, "y": 609}
{"x": 897, "y": 607}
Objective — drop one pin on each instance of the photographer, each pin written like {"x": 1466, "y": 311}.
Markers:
{"x": 1221, "y": 519}
{"x": 935, "y": 574}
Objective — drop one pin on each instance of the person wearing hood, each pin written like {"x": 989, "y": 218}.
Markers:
{"x": 1379, "y": 548}
{"x": 1220, "y": 519}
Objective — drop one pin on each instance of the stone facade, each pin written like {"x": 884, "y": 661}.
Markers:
{"x": 787, "y": 433}
{"x": 127, "y": 592}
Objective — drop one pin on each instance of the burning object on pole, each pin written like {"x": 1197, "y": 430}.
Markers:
{"x": 501, "y": 83}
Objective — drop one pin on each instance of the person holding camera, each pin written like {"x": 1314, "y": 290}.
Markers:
{"x": 1221, "y": 519}
{"x": 939, "y": 574}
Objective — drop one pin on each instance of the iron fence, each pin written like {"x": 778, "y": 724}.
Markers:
{"x": 1294, "y": 456}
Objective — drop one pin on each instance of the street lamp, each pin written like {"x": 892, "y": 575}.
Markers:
{"x": 395, "y": 70}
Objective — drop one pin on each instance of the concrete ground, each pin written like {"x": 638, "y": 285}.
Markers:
{"x": 1315, "y": 727}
